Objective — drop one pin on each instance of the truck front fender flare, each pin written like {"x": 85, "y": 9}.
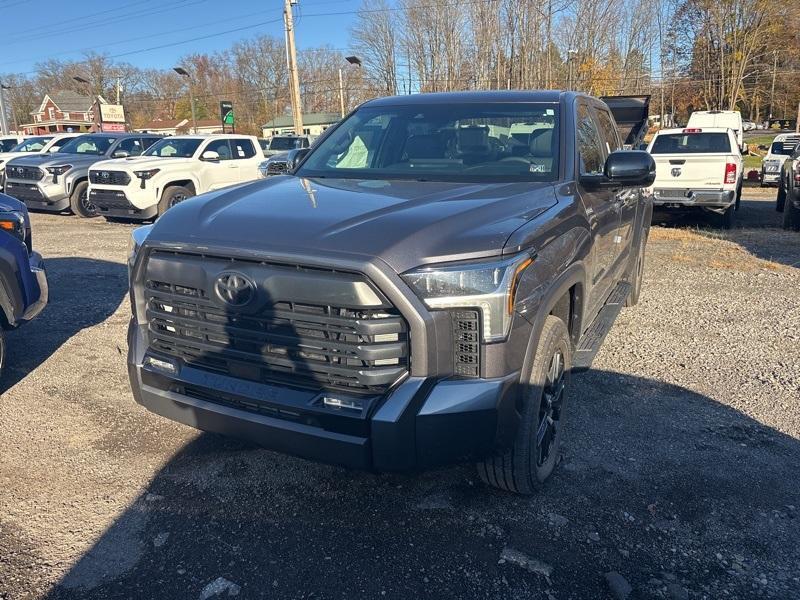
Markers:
{"x": 572, "y": 276}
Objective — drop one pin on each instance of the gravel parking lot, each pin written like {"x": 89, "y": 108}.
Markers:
{"x": 679, "y": 476}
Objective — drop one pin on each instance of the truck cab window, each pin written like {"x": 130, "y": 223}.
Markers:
{"x": 590, "y": 154}
{"x": 608, "y": 131}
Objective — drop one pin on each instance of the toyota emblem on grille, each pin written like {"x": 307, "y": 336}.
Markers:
{"x": 676, "y": 172}
{"x": 235, "y": 289}
{"x": 104, "y": 175}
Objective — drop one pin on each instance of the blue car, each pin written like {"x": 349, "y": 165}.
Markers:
{"x": 23, "y": 283}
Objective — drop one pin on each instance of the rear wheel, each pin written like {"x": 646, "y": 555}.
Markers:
{"x": 172, "y": 196}
{"x": 791, "y": 216}
{"x": 523, "y": 468}
{"x": 780, "y": 201}
{"x": 738, "y": 195}
{"x": 726, "y": 219}
{"x": 79, "y": 201}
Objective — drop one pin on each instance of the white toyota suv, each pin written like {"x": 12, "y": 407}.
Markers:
{"x": 698, "y": 168}
{"x": 170, "y": 171}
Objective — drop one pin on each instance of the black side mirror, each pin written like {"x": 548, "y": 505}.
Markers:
{"x": 295, "y": 157}
{"x": 630, "y": 168}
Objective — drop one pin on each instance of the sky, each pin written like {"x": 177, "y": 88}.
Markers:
{"x": 132, "y": 30}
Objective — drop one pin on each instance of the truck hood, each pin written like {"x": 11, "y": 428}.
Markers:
{"x": 404, "y": 223}
{"x": 6, "y": 156}
{"x": 142, "y": 163}
{"x": 56, "y": 158}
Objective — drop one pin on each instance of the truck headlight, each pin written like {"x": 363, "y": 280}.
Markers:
{"x": 148, "y": 174}
{"x": 58, "y": 170}
{"x": 135, "y": 241}
{"x": 13, "y": 222}
{"x": 488, "y": 286}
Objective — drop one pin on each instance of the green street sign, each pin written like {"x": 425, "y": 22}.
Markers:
{"x": 226, "y": 112}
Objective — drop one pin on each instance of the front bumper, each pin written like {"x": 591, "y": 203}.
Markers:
{"x": 115, "y": 203}
{"x": 39, "y": 273}
{"x": 420, "y": 423}
{"x": 687, "y": 198}
{"x": 39, "y": 195}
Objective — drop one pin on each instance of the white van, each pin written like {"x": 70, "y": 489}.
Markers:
{"x": 729, "y": 119}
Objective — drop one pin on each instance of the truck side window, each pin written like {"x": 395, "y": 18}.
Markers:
{"x": 608, "y": 131}
{"x": 221, "y": 147}
{"x": 243, "y": 149}
{"x": 590, "y": 154}
{"x": 132, "y": 146}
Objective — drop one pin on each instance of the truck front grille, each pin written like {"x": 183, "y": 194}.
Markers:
{"x": 317, "y": 346}
{"x": 277, "y": 167}
{"x": 24, "y": 173}
{"x": 109, "y": 177}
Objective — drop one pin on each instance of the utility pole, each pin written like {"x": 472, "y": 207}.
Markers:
{"x": 797, "y": 123}
{"x": 3, "y": 122}
{"x": 294, "y": 80}
{"x": 772, "y": 92}
{"x": 341, "y": 93}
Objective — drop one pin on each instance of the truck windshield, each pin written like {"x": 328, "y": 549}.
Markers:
{"x": 284, "y": 143}
{"x": 34, "y": 144}
{"x": 468, "y": 142}
{"x": 691, "y": 143}
{"x": 182, "y": 148}
{"x": 88, "y": 144}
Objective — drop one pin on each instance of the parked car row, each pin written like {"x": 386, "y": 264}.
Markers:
{"x": 129, "y": 175}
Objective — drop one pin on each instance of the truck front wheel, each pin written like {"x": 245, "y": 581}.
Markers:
{"x": 79, "y": 201}
{"x": 173, "y": 195}
{"x": 524, "y": 467}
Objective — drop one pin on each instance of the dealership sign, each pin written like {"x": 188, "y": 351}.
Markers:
{"x": 112, "y": 113}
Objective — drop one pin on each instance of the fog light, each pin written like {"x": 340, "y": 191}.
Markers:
{"x": 160, "y": 365}
{"x": 348, "y": 403}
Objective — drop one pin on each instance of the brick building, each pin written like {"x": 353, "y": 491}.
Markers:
{"x": 63, "y": 111}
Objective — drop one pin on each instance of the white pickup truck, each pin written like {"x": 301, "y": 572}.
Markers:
{"x": 170, "y": 171}
{"x": 698, "y": 168}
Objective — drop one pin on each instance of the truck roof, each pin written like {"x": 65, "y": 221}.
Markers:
{"x": 694, "y": 130}
{"x": 207, "y": 136}
{"x": 492, "y": 96}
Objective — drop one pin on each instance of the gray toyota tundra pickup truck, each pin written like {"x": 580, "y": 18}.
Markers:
{"x": 417, "y": 290}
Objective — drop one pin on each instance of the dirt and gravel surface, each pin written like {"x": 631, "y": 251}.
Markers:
{"x": 679, "y": 477}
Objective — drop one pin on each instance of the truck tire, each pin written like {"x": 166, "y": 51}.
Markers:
{"x": 791, "y": 216}
{"x": 726, "y": 219}
{"x": 636, "y": 276}
{"x": 79, "y": 201}
{"x": 780, "y": 201}
{"x": 173, "y": 195}
{"x": 523, "y": 468}
{"x": 739, "y": 194}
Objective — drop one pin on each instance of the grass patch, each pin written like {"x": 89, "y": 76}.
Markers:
{"x": 752, "y": 161}
{"x": 709, "y": 248}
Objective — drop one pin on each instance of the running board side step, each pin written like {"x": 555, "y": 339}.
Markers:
{"x": 592, "y": 339}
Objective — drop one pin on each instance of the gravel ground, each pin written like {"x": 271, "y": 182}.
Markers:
{"x": 679, "y": 476}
